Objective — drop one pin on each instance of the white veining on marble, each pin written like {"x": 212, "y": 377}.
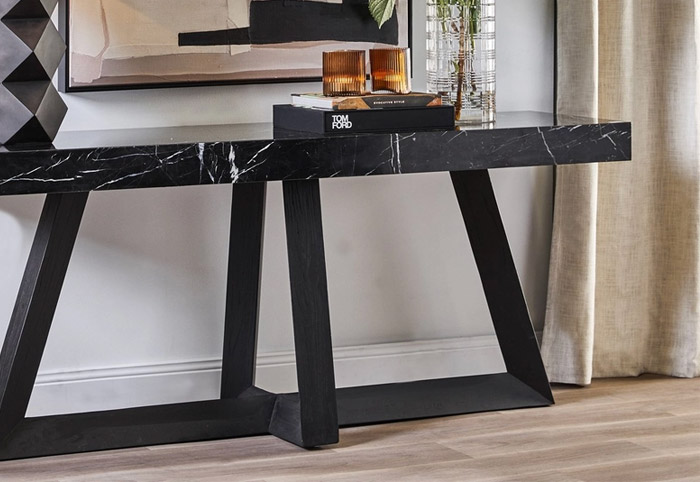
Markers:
{"x": 113, "y": 181}
{"x": 59, "y": 162}
{"x": 98, "y": 155}
{"x": 258, "y": 153}
{"x": 200, "y": 156}
{"x": 19, "y": 177}
{"x": 232, "y": 161}
{"x": 457, "y": 135}
{"x": 546, "y": 145}
{"x": 398, "y": 154}
{"x": 607, "y": 136}
{"x": 39, "y": 179}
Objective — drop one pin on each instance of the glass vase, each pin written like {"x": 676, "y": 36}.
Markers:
{"x": 461, "y": 57}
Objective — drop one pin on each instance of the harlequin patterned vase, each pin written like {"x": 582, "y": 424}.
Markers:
{"x": 30, "y": 52}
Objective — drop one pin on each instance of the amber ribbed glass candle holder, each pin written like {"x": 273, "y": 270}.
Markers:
{"x": 344, "y": 72}
{"x": 390, "y": 70}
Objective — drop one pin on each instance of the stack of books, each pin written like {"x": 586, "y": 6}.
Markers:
{"x": 363, "y": 113}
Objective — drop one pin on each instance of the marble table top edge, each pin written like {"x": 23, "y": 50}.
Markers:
{"x": 178, "y": 156}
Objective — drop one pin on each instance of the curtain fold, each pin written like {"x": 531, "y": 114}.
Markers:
{"x": 624, "y": 289}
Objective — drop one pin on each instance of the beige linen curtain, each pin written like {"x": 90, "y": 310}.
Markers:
{"x": 624, "y": 292}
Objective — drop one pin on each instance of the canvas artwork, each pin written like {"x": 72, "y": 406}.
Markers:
{"x": 137, "y": 43}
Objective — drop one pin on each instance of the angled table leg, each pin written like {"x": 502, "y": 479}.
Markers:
{"x": 36, "y": 304}
{"x": 308, "y": 418}
{"x": 243, "y": 291}
{"x": 231, "y": 416}
{"x": 499, "y": 278}
{"x": 524, "y": 385}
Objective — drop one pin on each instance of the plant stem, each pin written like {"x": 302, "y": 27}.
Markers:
{"x": 469, "y": 23}
{"x": 460, "y": 63}
{"x": 474, "y": 19}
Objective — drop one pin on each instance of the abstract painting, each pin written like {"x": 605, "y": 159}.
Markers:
{"x": 117, "y": 44}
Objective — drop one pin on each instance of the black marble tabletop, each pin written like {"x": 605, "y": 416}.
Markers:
{"x": 179, "y": 156}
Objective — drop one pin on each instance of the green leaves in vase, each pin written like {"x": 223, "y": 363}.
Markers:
{"x": 381, "y": 10}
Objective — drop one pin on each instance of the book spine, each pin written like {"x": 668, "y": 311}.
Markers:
{"x": 400, "y": 101}
{"x": 388, "y": 120}
{"x": 318, "y": 103}
{"x": 375, "y": 120}
{"x": 394, "y": 101}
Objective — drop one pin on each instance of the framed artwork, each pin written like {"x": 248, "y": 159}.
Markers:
{"x": 128, "y": 44}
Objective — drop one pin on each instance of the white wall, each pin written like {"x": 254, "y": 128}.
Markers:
{"x": 146, "y": 285}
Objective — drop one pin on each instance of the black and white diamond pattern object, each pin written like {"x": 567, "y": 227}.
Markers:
{"x": 44, "y": 49}
{"x": 31, "y": 50}
{"x": 27, "y": 8}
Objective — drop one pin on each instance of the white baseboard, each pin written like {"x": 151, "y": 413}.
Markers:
{"x": 128, "y": 386}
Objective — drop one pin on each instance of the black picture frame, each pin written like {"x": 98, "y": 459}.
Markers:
{"x": 64, "y": 81}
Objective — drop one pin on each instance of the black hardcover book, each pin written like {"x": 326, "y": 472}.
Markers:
{"x": 322, "y": 121}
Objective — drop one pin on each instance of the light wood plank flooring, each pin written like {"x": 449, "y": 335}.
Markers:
{"x": 642, "y": 429}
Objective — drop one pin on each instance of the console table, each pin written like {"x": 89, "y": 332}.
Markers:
{"x": 247, "y": 157}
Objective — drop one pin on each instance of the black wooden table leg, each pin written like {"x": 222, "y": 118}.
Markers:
{"x": 131, "y": 427}
{"x": 36, "y": 304}
{"x": 242, "y": 295}
{"x": 499, "y": 278}
{"x": 524, "y": 385}
{"x": 308, "y": 418}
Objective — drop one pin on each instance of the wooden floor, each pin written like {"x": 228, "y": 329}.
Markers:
{"x": 645, "y": 429}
